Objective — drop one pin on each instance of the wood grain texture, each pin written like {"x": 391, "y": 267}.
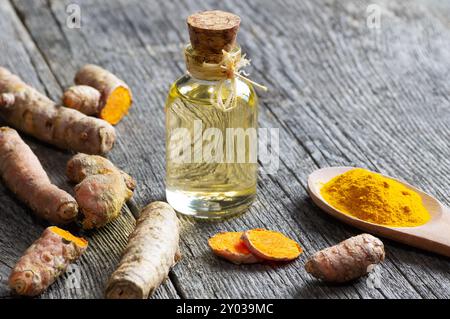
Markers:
{"x": 341, "y": 94}
{"x": 18, "y": 227}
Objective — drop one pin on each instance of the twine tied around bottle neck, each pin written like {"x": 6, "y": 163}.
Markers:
{"x": 225, "y": 72}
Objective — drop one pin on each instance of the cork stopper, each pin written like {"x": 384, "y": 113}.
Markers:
{"x": 213, "y": 31}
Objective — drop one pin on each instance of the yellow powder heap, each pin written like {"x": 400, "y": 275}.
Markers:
{"x": 374, "y": 198}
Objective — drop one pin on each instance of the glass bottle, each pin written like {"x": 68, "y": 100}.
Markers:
{"x": 211, "y": 164}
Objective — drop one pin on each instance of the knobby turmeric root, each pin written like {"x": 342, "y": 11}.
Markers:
{"x": 24, "y": 108}
{"x": 231, "y": 247}
{"x": 116, "y": 97}
{"x": 84, "y": 165}
{"x": 347, "y": 260}
{"x": 45, "y": 260}
{"x": 271, "y": 245}
{"x": 24, "y": 175}
{"x": 83, "y": 98}
{"x": 102, "y": 188}
{"x": 153, "y": 248}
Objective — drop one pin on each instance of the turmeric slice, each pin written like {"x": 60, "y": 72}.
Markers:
{"x": 116, "y": 105}
{"x": 271, "y": 245}
{"x": 116, "y": 97}
{"x": 78, "y": 241}
{"x": 45, "y": 260}
{"x": 347, "y": 260}
{"x": 231, "y": 247}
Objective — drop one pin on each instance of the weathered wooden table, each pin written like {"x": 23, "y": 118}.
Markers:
{"x": 341, "y": 92}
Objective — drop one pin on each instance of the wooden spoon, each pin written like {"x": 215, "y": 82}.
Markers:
{"x": 433, "y": 236}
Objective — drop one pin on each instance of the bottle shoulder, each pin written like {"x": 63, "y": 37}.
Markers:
{"x": 190, "y": 88}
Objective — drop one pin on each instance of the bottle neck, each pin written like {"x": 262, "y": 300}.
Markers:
{"x": 211, "y": 67}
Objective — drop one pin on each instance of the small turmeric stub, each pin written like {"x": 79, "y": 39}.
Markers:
{"x": 271, "y": 245}
{"x": 375, "y": 198}
{"x": 231, "y": 247}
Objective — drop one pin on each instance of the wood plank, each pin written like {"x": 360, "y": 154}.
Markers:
{"x": 206, "y": 288}
{"x": 328, "y": 91}
{"x": 334, "y": 124}
{"x": 355, "y": 126}
{"x": 18, "y": 229}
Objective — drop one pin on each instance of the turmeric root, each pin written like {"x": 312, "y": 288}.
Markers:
{"x": 24, "y": 108}
{"x": 347, "y": 260}
{"x": 45, "y": 260}
{"x": 116, "y": 97}
{"x": 102, "y": 188}
{"x": 271, "y": 245}
{"x": 24, "y": 175}
{"x": 83, "y": 165}
{"x": 230, "y": 246}
{"x": 153, "y": 248}
{"x": 82, "y": 98}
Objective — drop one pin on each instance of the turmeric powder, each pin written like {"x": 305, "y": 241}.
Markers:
{"x": 374, "y": 198}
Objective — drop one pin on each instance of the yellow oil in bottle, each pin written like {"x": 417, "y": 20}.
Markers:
{"x": 211, "y": 153}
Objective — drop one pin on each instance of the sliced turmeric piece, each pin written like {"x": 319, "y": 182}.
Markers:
{"x": 78, "y": 241}
{"x": 271, "y": 245}
{"x": 45, "y": 260}
{"x": 230, "y": 246}
{"x": 117, "y": 105}
{"x": 116, "y": 97}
